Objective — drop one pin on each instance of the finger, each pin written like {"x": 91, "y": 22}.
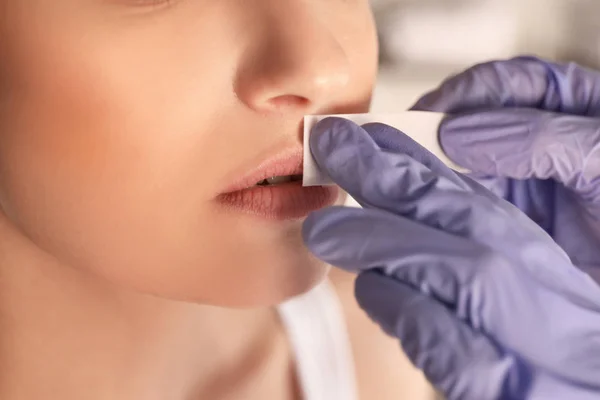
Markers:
{"x": 335, "y": 142}
{"x": 527, "y": 143}
{"x": 436, "y": 262}
{"x": 460, "y": 362}
{"x": 396, "y": 180}
{"x": 359, "y": 240}
{"x": 432, "y": 226}
{"x": 519, "y": 82}
{"x": 390, "y": 139}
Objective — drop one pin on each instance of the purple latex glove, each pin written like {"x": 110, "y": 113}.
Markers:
{"x": 481, "y": 298}
{"x": 530, "y": 129}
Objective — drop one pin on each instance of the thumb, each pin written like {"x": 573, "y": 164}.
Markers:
{"x": 526, "y": 143}
{"x": 458, "y": 361}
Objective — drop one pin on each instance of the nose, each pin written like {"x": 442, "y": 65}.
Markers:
{"x": 295, "y": 64}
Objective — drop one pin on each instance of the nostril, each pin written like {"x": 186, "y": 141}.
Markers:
{"x": 288, "y": 102}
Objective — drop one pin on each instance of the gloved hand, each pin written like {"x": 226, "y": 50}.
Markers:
{"x": 530, "y": 130}
{"x": 481, "y": 298}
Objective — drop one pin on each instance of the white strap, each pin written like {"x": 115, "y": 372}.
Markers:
{"x": 318, "y": 334}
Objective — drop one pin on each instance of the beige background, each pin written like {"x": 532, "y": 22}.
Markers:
{"x": 423, "y": 41}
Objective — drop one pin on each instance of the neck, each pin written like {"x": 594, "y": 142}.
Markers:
{"x": 74, "y": 336}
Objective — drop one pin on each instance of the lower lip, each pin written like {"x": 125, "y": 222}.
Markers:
{"x": 280, "y": 202}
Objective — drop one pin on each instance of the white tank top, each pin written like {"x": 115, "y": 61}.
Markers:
{"x": 318, "y": 334}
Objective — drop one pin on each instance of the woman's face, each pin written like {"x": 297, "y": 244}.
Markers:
{"x": 127, "y": 127}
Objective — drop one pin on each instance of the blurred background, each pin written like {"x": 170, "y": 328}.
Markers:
{"x": 424, "y": 41}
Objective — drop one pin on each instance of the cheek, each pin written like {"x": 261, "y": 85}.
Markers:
{"x": 74, "y": 183}
{"x": 358, "y": 36}
{"x": 87, "y": 168}
{"x": 94, "y": 130}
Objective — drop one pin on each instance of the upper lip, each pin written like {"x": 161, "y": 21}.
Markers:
{"x": 285, "y": 163}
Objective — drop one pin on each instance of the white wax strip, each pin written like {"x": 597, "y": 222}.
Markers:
{"x": 421, "y": 126}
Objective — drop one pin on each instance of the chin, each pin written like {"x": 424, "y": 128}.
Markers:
{"x": 316, "y": 272}
{"x": 283, "y": 281}
{"x": 240, "y": 278}
{"x": 254, "y": 263}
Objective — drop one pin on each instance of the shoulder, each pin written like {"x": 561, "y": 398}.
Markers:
{"x": 383, "y": 371}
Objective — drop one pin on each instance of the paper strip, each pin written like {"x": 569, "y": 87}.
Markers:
{"x": 421, "y": 126}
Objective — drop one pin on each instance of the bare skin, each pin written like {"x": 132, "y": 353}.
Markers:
{"x": 121, "y": 277}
